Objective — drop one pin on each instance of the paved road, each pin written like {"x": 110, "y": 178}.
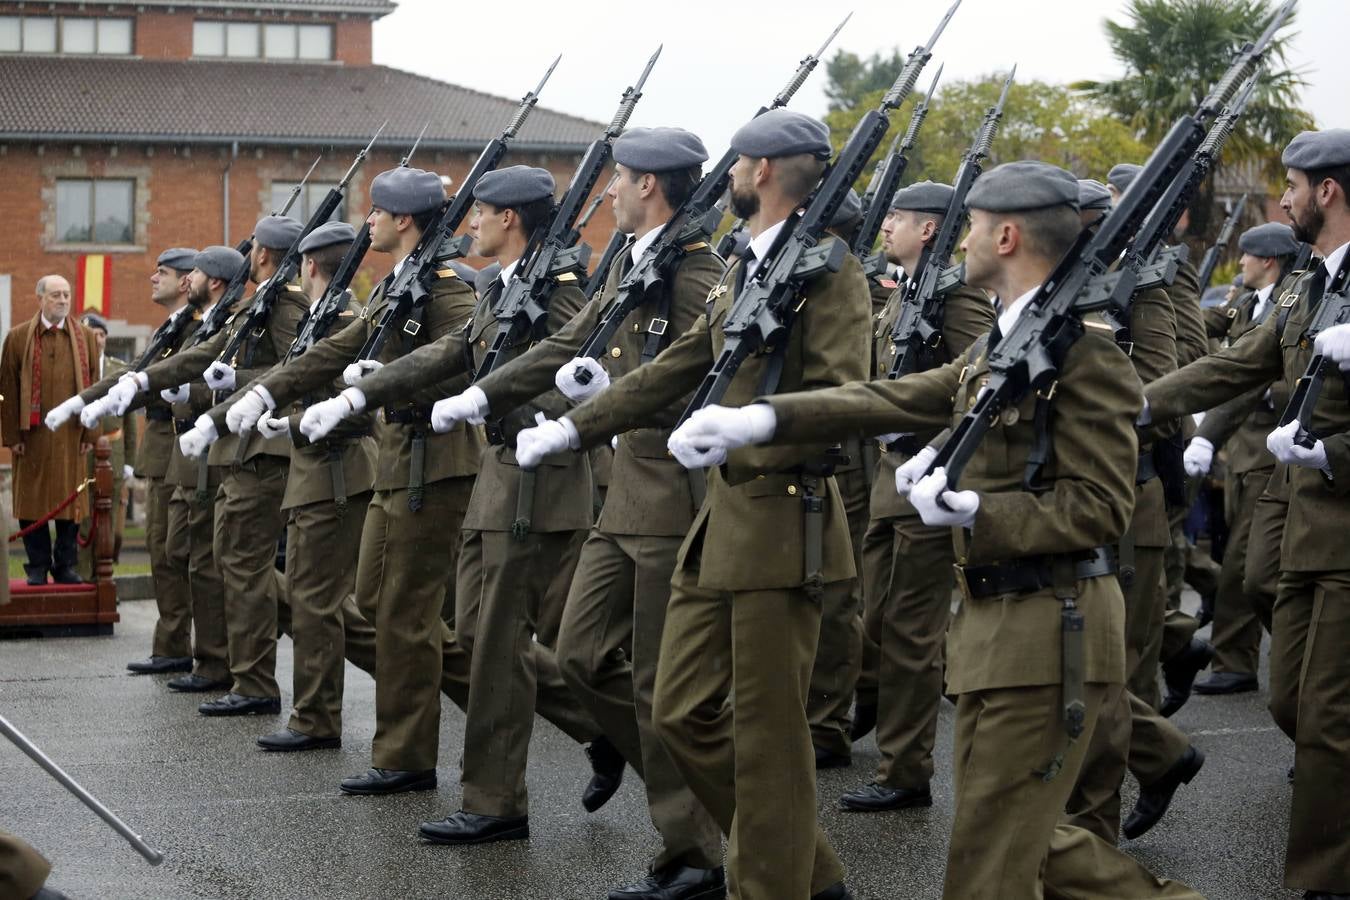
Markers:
{"x": 235, "y": 822}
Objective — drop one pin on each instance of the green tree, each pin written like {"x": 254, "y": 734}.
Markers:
{"x": 849, "y": 78}
{"x": 1173, "y": 52}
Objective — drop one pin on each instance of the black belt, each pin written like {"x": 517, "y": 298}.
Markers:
{"x": 1033, "y": 573}
{"x": 181, "y": 426}
{"x": 908, "y": 444}
{"x": 1147, "y": 469}
{"x": 492, "y": 429}
{"x": 408, "y": 415}
{"x": 158, "y": 414}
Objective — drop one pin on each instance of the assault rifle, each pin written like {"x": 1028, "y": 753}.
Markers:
{"x": 917, "y": 332}
{"x": 1332, "y": 309}
{"x": 1211, "y": 260}
{"x": 696, "y": 220}
{"x": 762, "y": 316}
{"x": 522, "y": 309}
{"x": 258, "y": 313}
{"x": 876, "y": 201}
{"x": 1029, "y": 355}
{"x": 221, "y": 312}
{"x": 411, "y": 287}
{"x": 325, "y": 312}
{"x": 616, "y": 242}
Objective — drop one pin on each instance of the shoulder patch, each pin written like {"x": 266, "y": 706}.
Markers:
{"x": 294, "y": 289}
{"x": 696, "y": 245}
{"x": 566, "y": 278}
{"x": 447, "y": 272}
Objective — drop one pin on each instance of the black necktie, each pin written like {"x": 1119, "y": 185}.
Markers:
{"x": 995, "y": 333}
{"x": 741, "y": 276}
{"x": 1317, "y": 286}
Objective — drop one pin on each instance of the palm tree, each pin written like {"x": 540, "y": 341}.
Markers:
{"x": 1173, "y": 52}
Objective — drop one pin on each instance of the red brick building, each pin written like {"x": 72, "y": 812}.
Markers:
{"x": 127, "y": 128}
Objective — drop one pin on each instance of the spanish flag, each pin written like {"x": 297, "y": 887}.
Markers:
{"x": 93, "y": 291}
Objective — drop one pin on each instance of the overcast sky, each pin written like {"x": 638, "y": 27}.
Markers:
{"x": 722, "y": 60}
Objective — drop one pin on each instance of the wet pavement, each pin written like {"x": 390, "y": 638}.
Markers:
{"x": 235, "y": 822}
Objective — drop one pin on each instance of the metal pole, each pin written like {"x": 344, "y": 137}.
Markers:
{"x": 153, "y": 856}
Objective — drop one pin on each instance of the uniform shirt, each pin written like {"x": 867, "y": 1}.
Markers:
{"x": 641, "y": 244}
{"x": 1262, "y": 301}
{"x": 760, "y": 246}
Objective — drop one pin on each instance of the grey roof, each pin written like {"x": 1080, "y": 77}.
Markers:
{"x": 131, "y": 100}
{"x": 375, "y": 8}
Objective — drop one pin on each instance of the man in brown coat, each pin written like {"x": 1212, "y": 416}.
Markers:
{"x": 44, "y": 361}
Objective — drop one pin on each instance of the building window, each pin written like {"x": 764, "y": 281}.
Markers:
{"x": 66, "y": 34}
{"x": 310, "y": 197}
{"x": 95, "y": 211}
{"x": 251, "y": 40}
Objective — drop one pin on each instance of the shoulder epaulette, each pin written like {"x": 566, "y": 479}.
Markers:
{"x": 1100, "y": 326}
{"x": 294, "y": 288}
{"x": 696, "y": 245}
{"x": 447, "y": 272}
{"x": 566, "y": 278}
{"x": 889, "y": 284}
{"x": 346, "y": 314}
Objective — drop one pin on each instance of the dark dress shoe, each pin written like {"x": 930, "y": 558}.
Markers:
{"x": 389, "y": 781}
{"x": 1179, "y": 674}
{"x": 233, "y": 704}
{"x": 46, "y": 893}
{"x": 158, "y": 664}
{"x": 607, "y": 768}
{"x": 826, "y": 759}
{"x": 864, "y": 720}
{"x": 878, "y": 798}
{"x": 66, "y": 575}
{"x": 470, "y": 828}
{"x": 36, "y": 574}
{"x": 196, "y": 684}
{"x": 834, "y": 892}
{"x": 1324, "y": 895}
{"x": 676, "y": 882}
{"x": 1226, "y": 683}
{"x": 1156, "y": 797}
{"x": 288, "y": 740}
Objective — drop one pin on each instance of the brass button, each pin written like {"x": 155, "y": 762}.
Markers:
{"x": 482, "y": 343}
{"x": 792, "y": 490}
{"x": 616, "y": 352}
{"x": 1011, "y": 416}
{"x": 970, "y": 401}
{"x": 637, "y": 326}
{"x": 759, "y": 477}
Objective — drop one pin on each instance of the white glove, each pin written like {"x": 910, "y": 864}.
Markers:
{"x": 90, "y": 415}
{"x": 196, "y": 439}
{"x": 691, "y": 457}
{"x": 121, "y": 394}
{"x": 1334, "y": 343}
{"x": 956, "y": 507}
{"x": 907, "y": 473}
{"x": 1145, "y": 415}
{"x": 270, "y": 427}
{"x": 469, "y": 405}
{"x": 572, "y": 389}
{"x": 245, "y": 412}
{"x": 726, "y": 428}
{"x": 322, "y": 418}
{"x": 1199, "y": 456}
{"x": 178, "y": 394}
{"x": 360, "y": 369}
{"x": 1280, "y": 443}
{"x": 128, "y": 473}
{"x": 219, "y": 376}
{"x": 548, "y": 437}
{"x": 62, "y": 413}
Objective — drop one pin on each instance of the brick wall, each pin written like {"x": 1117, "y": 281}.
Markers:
{"x": 161, "y": 35}
{"x": 180, "y": 202}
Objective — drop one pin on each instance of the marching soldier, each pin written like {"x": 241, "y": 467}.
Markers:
{"x": 615, "y": 613}
{"x": 249, "y": 522}
{"x": 1308, "y": 631}
{"x": 1021, "y": 553}
{"x": 1266, "y": 252}
{"x": 744, "y": 615}
{"x": 907, "y": 566}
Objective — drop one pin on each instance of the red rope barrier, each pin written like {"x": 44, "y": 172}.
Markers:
{"x": 93, "y": 531}
{"x": 18, "y": 535}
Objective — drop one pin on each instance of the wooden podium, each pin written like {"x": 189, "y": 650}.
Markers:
{"x": 72, "y": 609}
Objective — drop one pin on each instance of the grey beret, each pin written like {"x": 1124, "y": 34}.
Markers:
{"x": 1318, "y": 149}
{"x": 1093, "y": 195}
{"x": 94, "y": 320}
{"x": 849, "y": 210}
{"x": 1028, "y": 184}
{"x": 406, "y": 191}
{"x": 782, "y": 132}
{"x": 924, "y": 196}
{"x": 276, "y": 232}
{"x": 1270, "y": 240}
{"x": 179, "y": 258}
{"x": 659, "y": 149}
{"x": 219, "y": 262}
{"x": 514, "y": 186}
{"x": 1122, "y": 175}
{"x": 326, "y": 235}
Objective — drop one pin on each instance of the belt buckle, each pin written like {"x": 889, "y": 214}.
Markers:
{"x": 411, "y": 328}
{"x": 961, "y": 581}
{"x": 657, "y": 327}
